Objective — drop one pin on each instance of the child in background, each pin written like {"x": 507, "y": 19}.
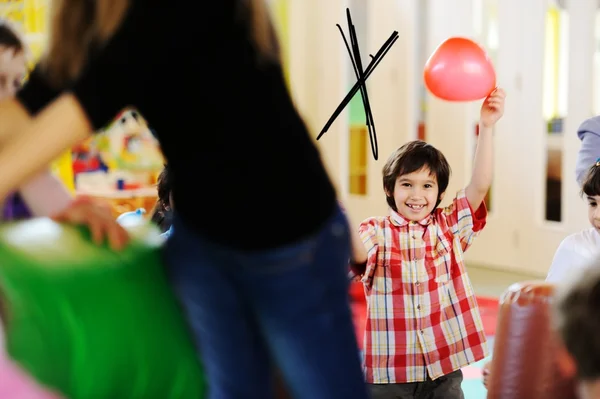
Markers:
{"x": 161, "y": 214}
{"x": 423, "y": 324}
{"x": 589, "y": 134}
{"x": 577, "y": 319}
{"x": 577, "y": 250}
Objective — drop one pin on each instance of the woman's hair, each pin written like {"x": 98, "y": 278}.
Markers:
{"x": 262, "y": 31}
{"x": 591, "y": 183}
{"x": 78, "y": 27}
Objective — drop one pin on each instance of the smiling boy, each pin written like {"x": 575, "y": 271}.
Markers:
{"x": 423, "y": 323}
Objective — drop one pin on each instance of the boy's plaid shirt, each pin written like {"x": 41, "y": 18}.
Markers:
{"x": 422, "y": 315}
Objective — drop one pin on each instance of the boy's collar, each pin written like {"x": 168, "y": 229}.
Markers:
{"x": 400, "y": 220}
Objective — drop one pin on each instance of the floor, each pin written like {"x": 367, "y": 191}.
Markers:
{"x": 492, "y": 283}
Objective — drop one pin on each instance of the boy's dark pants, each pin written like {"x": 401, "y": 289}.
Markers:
{"x": 445, "y": 387}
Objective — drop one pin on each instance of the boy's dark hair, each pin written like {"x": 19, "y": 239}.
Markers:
{"x": 9, "y": 37}
{"x": 577, "y": 319}
{"x": 161, "y": 215}
{"x": 591, "y": 183}
{"x": 411, "y": 157}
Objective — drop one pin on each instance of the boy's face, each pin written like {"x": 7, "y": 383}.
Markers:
{"x": 594, "y": 211}
{"x": 13, "y": 67}
{"x": 416, "y": 194}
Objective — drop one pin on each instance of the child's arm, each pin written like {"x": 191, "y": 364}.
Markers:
{"x": 368, "y": 237}
{"x": 45, "y": 195}
{"x": 358, "y": 252}
{"x": 481, "y": 179}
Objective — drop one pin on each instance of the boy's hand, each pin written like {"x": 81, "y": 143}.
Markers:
{"x": 97, "y": 216}
{"x": 492, "y": 108}
{"x": 353, "y": 277}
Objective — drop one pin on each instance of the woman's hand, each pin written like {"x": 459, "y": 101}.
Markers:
{"x": 97, "y": 216}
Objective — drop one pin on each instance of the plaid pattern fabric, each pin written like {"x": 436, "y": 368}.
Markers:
{"x": 422, "y": 315}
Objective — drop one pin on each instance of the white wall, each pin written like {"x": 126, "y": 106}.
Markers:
{"x": 517, "y": 236}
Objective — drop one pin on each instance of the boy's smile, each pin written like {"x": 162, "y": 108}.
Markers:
{"x": 416, "y": 194}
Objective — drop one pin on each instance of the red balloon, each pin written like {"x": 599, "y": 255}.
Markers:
{"x": 460, "y": 70}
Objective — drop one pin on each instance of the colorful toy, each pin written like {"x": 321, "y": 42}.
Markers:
{"x": 92, "y": 323}
{"x": 460, "y": 70}
{"x": 85, "y": 158}
{"x": 128, "y": 144}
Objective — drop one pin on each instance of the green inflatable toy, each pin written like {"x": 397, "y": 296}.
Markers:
{"x": 92, "y": 323}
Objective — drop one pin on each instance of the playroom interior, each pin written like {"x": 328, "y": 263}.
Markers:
{"x": 546, "y": 54}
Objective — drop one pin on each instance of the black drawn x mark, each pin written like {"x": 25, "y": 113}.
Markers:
{"x": 361, "y": 76}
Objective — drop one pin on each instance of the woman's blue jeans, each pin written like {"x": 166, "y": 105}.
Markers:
{"x": 286, "y": 309}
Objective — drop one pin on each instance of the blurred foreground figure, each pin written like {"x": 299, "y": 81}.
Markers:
{"x": 88, "y": 322}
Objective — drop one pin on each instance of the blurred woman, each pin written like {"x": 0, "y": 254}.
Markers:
{"x": 259, "y": 248}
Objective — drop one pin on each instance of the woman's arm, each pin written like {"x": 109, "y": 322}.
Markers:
{"x": 40, "y": 140}
{"x": 60, "y": 125}
{"x": 32, "y": 98}
{"x": 44, "y": 194}
{"x": 14, "y": 118}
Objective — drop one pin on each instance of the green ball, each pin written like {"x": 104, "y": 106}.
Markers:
{"x": 91, "y": 322}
